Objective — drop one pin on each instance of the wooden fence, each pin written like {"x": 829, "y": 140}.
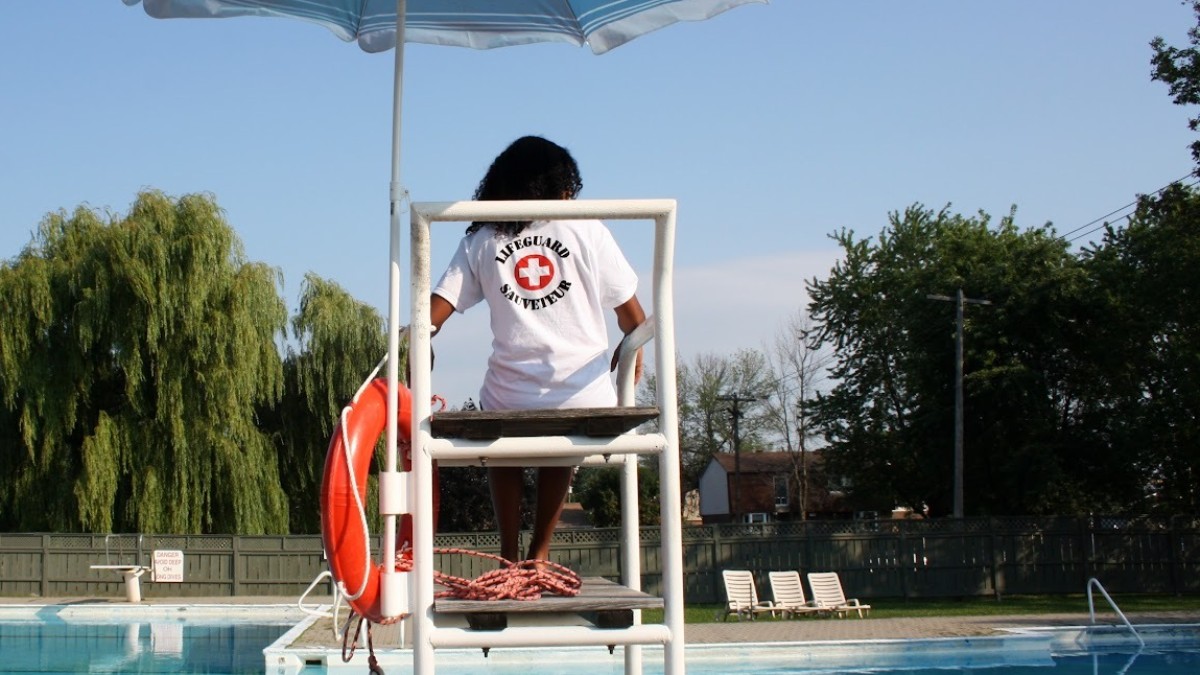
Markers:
{"x": 876, "y": 559}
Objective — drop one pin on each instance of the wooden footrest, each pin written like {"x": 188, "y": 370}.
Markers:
{"x": 490, "y": 425}
{"x": 602, "y": 602}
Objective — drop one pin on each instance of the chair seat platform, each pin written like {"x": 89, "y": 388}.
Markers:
{"x": 605, "y": 603}
{"x": 490, "y": 425}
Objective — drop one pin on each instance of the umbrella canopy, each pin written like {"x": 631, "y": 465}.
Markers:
{"x": 480, "y": 24}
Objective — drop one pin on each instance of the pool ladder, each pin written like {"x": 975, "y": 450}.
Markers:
{"x": 1092, "y": 608}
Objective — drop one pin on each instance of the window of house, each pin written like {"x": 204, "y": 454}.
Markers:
{"x": 781, "y": 491}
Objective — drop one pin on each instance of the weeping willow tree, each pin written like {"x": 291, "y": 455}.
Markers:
{"x": 337, "y": 341}
{"x": 134, "y": 354}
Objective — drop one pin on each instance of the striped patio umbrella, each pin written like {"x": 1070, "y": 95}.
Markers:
{"x": 480, "y": 24}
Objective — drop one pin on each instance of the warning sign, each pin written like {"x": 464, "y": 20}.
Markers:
{"x": 168, "y": 566}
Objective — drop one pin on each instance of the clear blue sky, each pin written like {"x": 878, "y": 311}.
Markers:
{"x": 773, "y": 125}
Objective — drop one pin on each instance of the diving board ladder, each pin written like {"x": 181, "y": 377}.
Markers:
{"x": 520, "y": 441}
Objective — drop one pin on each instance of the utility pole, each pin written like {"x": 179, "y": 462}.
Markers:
{"x": 959, "y": 301}
{"x": 736, "y": 413}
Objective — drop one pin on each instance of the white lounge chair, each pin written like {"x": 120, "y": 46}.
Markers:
{"x": 742, "y": 597}
{"x": 787, "y": 594}
{"x": 827, "y": 594}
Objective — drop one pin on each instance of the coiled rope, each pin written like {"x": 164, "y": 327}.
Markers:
{"x": 524, "y": 580}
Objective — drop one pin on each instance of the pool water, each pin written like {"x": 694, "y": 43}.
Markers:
{"x": 1144, "y": 663}
{"x": 158, "y": 646}
{"x": 180, "y": 640}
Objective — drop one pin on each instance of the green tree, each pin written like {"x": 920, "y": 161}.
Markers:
{"x": 599, "y": 491}
{"x": 889, "y": 417}
{"x": 134, "y": 355}
{"x": 337, "y": 340}
{"x": 1179, "y": 68}
{"x": 1144, "y": 351}
{"x": 466, "y": 500}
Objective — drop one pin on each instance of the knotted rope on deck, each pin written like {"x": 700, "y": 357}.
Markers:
{"x": 524, "y": 580}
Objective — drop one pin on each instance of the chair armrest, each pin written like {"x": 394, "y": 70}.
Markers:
{"x": 627, "y": 358}
{"x": 637, "y": 337}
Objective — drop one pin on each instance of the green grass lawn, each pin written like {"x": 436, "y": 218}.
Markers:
{"x": 886, "y": 608}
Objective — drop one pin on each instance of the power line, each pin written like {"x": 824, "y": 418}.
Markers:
{"x": 1101, "y": 219}
{"x": 1101, "y": 227}
{"x": 1126, "y": 217}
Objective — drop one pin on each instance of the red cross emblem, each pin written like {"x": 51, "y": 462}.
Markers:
{"x": 534, "y": 272}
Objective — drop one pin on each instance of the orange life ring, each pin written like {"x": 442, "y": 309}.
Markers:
{"x": 343, "y": 525}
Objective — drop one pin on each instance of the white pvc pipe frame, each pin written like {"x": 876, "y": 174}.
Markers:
{"x": 418, "y": 498}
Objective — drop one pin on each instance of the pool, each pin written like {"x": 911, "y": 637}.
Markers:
{"x": 103, "y": 638}
{"x": 224, "y": 640}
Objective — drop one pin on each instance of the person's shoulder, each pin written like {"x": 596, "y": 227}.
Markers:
{"x": 479, "y": 237}
{"x": 589, "y": 225}
{"x": 475, "y": 232}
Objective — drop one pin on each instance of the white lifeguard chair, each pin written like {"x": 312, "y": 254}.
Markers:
{"x": 537, "y": 438}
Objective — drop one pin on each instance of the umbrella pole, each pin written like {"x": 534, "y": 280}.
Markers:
{"x": 393, "y": 495}
{"x": 412, "y": 592}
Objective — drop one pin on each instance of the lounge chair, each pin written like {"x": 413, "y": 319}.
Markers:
{"x": 828, "y": 595}
{"x": 742, "y": 597}
{"x": 787, "y": 594}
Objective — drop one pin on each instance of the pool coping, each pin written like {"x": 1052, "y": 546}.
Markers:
{"x": 150, "y": 612}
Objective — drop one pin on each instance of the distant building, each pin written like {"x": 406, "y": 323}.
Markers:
{"x": 767, "y": 486}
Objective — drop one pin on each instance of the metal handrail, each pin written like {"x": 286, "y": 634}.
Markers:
{"x": 120, "y": 553}
{"x": 1092, "y": 608}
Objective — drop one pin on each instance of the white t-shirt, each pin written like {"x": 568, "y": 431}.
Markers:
{"x": 547, "y": 290}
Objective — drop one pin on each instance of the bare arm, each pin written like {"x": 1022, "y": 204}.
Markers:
{"x": 440, "y": 309}
{"x": 630, "y": 315}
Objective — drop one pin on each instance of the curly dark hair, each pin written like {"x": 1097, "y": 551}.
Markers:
{"x": 530, "y": 168}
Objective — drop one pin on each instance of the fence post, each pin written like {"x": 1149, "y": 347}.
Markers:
{"x": 236, "y": 554}
{"x": 715, "y": 530}
{"x": 808, "y": 546}
{"x": 45, "y": 566}
{"x": 1173, "y": 555}
{"x": 1085, "y": 529}
{"x": 997, "y": 561}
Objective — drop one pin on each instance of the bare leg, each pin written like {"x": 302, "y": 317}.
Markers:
{"x": 552, "y": 486}
{"x": 507, "y": 484}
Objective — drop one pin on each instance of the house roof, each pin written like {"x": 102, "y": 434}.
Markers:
{"x": 757, "y": 462}
{"x": 573, "y": 516}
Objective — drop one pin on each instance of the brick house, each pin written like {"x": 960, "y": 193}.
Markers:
{"x": 766, "y": 485}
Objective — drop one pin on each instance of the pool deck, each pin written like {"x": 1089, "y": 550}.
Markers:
{"x": 804, "y": 629}
{"x": 824, "y": 629}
